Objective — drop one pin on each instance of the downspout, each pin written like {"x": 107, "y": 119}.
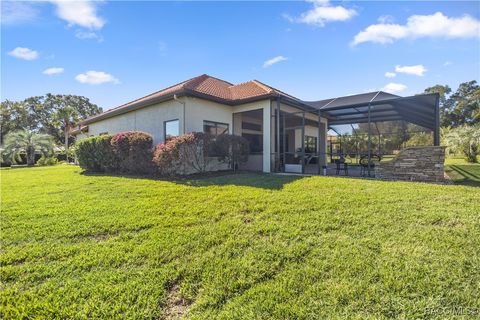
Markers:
{"x": 175, "y": 97}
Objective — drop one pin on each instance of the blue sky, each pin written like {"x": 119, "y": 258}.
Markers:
{"x": 113, "y": 52}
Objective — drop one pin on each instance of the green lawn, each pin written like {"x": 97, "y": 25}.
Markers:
{"x": 462, "y": 172}
{"x": 246, "y": 246}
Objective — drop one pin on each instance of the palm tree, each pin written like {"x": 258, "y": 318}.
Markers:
{"x": 67, "y": 116}
{"x": 28, "y": 142}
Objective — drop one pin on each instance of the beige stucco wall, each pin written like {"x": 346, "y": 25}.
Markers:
{"x": 198, "y": 110}
{"x": 149, "y": 119}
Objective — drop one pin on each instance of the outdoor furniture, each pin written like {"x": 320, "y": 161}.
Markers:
{"x": 342, "y": 165}
{"x": 366, "y": 165}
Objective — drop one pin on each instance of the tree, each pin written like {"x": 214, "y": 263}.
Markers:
{"x": 460, "y": 108}
{"x": 464, "y": 139}
{"x": 464, "y": 105}
{"x": 66, "y": 117}
{"x": 29, "y": 143}
{"x": 59, "y": 111}
{"x": 14, "y": 116}
{"x": 46, "y": 114}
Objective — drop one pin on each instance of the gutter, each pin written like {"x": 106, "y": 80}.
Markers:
{"x": 175, "y": 97}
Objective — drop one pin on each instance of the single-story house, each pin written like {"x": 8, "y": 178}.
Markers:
{"x": 285, "y": 133}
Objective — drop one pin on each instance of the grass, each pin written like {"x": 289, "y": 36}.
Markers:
{"x": 462, "y": 172}
{"x": 248, "y": 246}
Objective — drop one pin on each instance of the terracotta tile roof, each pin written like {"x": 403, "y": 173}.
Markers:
{"x": 205, "y": 86}
{"x": 211, "y": 86}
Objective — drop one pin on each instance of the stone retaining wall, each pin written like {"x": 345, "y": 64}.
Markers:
{"x": 414, "y": 164}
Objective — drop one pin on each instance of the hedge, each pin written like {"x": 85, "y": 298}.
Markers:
{"x": 133, "y": 151}
{"x": 96, "y": 154}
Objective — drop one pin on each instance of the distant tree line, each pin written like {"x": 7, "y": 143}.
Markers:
{"x": 52, "y": 114}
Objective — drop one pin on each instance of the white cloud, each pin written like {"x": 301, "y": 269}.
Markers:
{"x": 393, "y": 87}
{"x": 418, "y": 70}
{"x": 53, "y": 71}
{"x": 418, "y": 26}
{"x": 274, "y": 60}
{"x": 17, "y": 11}
{"x": 386, "y": 19}
{"x": 447, "y": 63}
{"x": 82, "y": 13}
{"x": 96, "y": 77}
{"x": 323, "y": 12}
{"x": 88, "y": 35}
{"x": 390, "y": 74}
{"x": 24, "y": 53}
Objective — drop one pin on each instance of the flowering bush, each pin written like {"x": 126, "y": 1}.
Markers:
{"x": 166, "y": 158}
{"x": 133, "y": 151}
{"x": 183, "y": 154}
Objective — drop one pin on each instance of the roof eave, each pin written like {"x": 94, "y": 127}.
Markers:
{"x": 115, "y": 112}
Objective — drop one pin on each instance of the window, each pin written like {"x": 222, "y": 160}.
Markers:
{"x": 255, "y": 142}
{"x": 215, "y": 128}
{"x": 310, "y": 144}
{"x": 171, "y": 129}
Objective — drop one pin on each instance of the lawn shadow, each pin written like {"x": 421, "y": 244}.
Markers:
{"x": 465, "y": 175}
{"x": 219, "y": 178}
{"x": 244, "y": 178}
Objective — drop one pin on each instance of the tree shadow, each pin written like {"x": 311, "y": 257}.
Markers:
{"x": 468, "y": 174}
{"x": 219, "y": 178}
{"x": 246, "y": 179}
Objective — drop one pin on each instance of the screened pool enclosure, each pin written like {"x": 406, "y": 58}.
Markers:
{"x": 360, "y": 129}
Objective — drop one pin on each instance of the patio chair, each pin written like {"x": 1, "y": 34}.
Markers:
{"x": 365, "y": 164}
{"x": 342, "y": 165}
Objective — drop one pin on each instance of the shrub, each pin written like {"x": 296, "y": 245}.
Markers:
{"x": 465, "y": 140}
{"x": 166, "y": 158}
{"x": 183, "y": 154}
{"x": 47, "y": 161}
{"x": 96, "y": 154}
{"x": 195, "y": 151}
{"x": 133, "y": 151}
{"x": 231, "y": 149}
